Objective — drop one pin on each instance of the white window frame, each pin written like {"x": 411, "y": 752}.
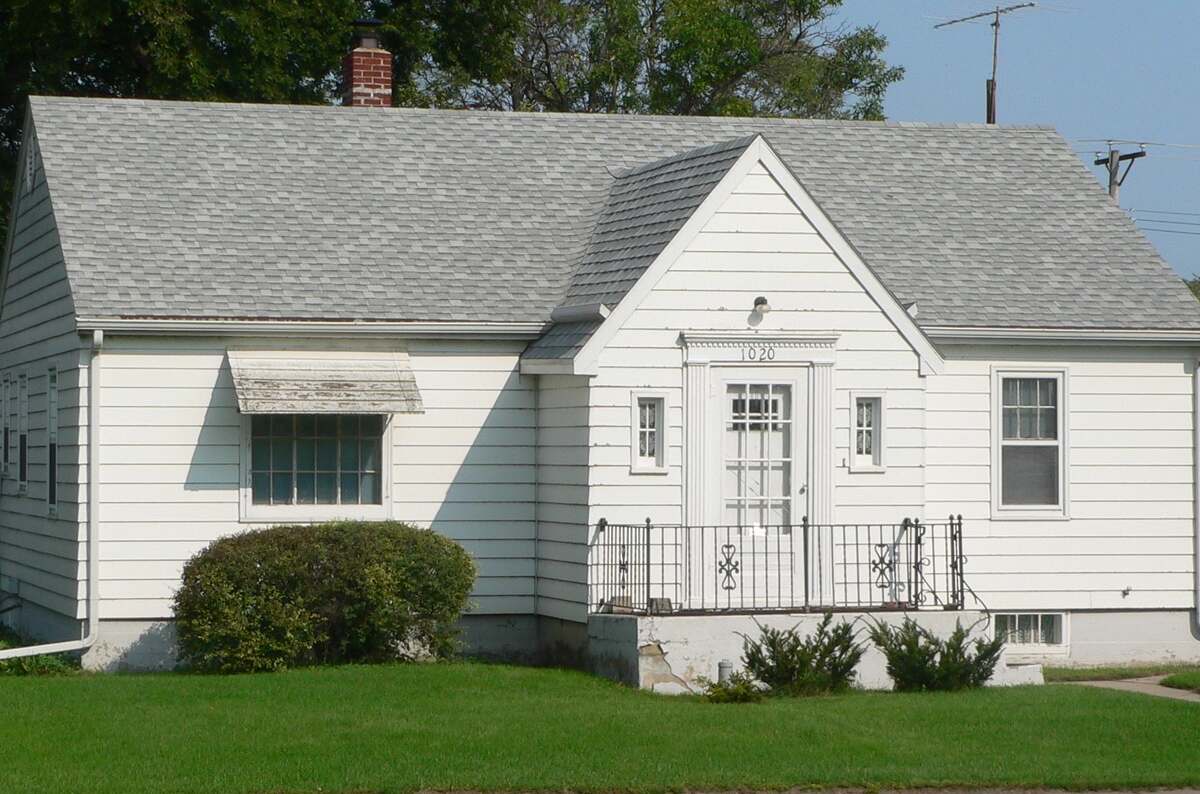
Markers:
{"x": 29, "y": 173}
{"x": 877, "y": 464}
{"x": 661, "y": 462}
{"x": 6, "y": 439}
{"x": 22, "y": 431}
{"x": 52, "y": 480}
{"x": 251, "y": 513}
{"x": 1060, "y": 511}
{"x": 1037, "y": 648}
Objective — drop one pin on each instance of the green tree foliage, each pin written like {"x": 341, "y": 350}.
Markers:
{"x": 1193, "y": 283}
{"x": 703, "y": 57}
{"x": 680, "y": 57}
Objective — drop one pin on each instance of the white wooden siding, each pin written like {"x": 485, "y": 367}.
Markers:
{"x": 170, "y": 464}
{"x": 562, "y": 491}
{"x": 42, "y": 557}
{"x": 1128, "y": 542}
{"x": 758, "y": 243}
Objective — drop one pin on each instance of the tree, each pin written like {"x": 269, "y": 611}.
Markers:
{"x": 1193, "y": 283}
{"x": 237, "y": 50}
{"x": 681, "y": 57}
{"x": 718, "y": 57}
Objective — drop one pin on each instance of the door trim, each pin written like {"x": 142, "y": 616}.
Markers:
{"x": 703, "y": 350}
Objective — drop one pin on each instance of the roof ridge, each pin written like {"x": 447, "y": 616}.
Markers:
{"x": 552, "y": 114}
{"x": 738, "y": 144}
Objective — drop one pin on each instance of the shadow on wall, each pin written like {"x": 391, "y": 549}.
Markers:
{"x": 216, "y": 454}
{"x": 482, "y": 479}
{"x": 133, "y": 645}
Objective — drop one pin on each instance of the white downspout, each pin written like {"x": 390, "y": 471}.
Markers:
{"x": 93, "y": 520}
{"x": 1196, "y": 493}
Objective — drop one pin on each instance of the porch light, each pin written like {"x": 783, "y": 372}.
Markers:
{"x": 761, "y": 306}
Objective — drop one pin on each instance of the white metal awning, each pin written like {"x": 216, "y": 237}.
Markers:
{"x": 324, "y": 382}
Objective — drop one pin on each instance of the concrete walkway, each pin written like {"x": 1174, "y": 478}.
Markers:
{"x": 1146, "y": 686}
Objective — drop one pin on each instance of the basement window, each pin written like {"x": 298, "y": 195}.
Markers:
{"x": 315, "y": 466}
{"x": 1031, "y": 630}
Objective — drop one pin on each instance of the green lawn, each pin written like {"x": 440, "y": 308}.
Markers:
{"x": 1186, "y": 680}
{"x": 473, "y": 726}
{"x": 1115, "y": 672}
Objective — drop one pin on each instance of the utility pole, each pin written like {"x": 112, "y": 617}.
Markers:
{"x": 1113, "y": 163}
{"x": 995, "y": 25}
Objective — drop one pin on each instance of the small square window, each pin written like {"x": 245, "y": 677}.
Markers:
{"x": 866, "y": 432}
{"x": 648, "y": 443}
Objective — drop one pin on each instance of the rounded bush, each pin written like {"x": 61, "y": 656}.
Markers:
{"x": 347, "y": 591}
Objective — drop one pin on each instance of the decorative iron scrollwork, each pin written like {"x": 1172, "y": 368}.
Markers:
{"x": 883, "y": 566}
{"x": 728, "y": 567}
{"x": 623, "y": 568}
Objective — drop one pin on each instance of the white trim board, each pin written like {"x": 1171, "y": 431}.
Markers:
{"x": 586, "y": 361}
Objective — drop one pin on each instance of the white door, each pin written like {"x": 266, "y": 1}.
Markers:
{"x": 748, "y": 555}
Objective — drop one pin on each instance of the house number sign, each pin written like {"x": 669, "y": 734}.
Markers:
{"x": 746, "y": 348}
{"x": 758, "y": 353}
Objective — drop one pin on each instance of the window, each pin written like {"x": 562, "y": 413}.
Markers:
{"x": 30, "y": 172}
{"x": 866, "y": 432}
{"x": 1031, "y": 629}
{"x": 8, "y": 425}
{"x": 52, "y": 440}
{"x": 23, "y": 431}
{"x": 648, "y": 444}
{"x": 1030, "y": 449}
{"x": 316, "y": 459}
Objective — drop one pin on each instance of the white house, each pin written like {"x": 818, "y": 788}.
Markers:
{"x": 772, "y": 340}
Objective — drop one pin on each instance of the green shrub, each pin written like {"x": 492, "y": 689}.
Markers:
{"x": 740, "y": 688}
{"x": 321, "y": 594}
{"x": 45, "y": 664}
{"x": 791, "y": 665}
{"x": 919, "y": 661}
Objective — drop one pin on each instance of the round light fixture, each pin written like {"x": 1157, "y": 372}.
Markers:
{"x": 761, "y": 306}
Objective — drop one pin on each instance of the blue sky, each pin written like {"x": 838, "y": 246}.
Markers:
{"x": 1091, "y": 68}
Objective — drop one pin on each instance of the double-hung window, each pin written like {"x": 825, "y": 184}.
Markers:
{"x": 1030, "y": 449}
{"x": 52, "y": 440}
{"x": 315, "y": 466}
{"x": 23, "y": 431}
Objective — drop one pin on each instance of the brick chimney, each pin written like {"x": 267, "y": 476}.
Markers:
{"x": 367, "y": 69}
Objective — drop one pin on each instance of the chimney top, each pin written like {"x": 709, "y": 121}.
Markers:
{"x": 366, "y": 33}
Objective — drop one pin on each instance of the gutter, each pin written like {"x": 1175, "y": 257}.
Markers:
{"x": 349, "y": 328}
{"x": 93, "y": 522}
{"x": 946, "y": 333}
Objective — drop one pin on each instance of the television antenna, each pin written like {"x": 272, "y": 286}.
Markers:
{"x": 995, "y": 23}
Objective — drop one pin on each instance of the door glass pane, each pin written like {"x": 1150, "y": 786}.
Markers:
{"x": 757, "y": 447}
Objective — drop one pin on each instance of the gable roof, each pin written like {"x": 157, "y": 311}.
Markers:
{"x": 206, "y": 210}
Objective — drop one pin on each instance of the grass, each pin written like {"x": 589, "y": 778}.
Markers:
{"x": 1114, "y": 672}
{"x": 1189, "y": 679}
{"x": 493, "y": 727}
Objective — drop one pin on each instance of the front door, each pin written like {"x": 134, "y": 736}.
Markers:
{"x": 748, "y": 556}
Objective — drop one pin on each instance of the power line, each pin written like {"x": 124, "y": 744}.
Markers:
{"x": 1163, "y": 212}
{"x": 1169, "y": 231}
{"x": 1166, "y": 220}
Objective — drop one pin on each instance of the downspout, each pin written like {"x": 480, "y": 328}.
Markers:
{"x": 93, "y": 521}
{"x": 1196, "y": 495}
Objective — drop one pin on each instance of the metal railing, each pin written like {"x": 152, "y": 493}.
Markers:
{"x": 666, "y": 568}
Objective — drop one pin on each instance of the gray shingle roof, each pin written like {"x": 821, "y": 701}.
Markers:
{"x": 259, "y": 211}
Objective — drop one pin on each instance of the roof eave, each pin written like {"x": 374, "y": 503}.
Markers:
{"x": 322, "y": 328}
{"x": 949, "y": 334}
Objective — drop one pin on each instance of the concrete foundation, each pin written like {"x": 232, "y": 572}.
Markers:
{"x": 670, "y": 654}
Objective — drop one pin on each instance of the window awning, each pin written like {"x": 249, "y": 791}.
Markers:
{"x": 324, "y": 382}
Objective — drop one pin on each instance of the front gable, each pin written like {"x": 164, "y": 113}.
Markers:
{"x": 721, "y": 226}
